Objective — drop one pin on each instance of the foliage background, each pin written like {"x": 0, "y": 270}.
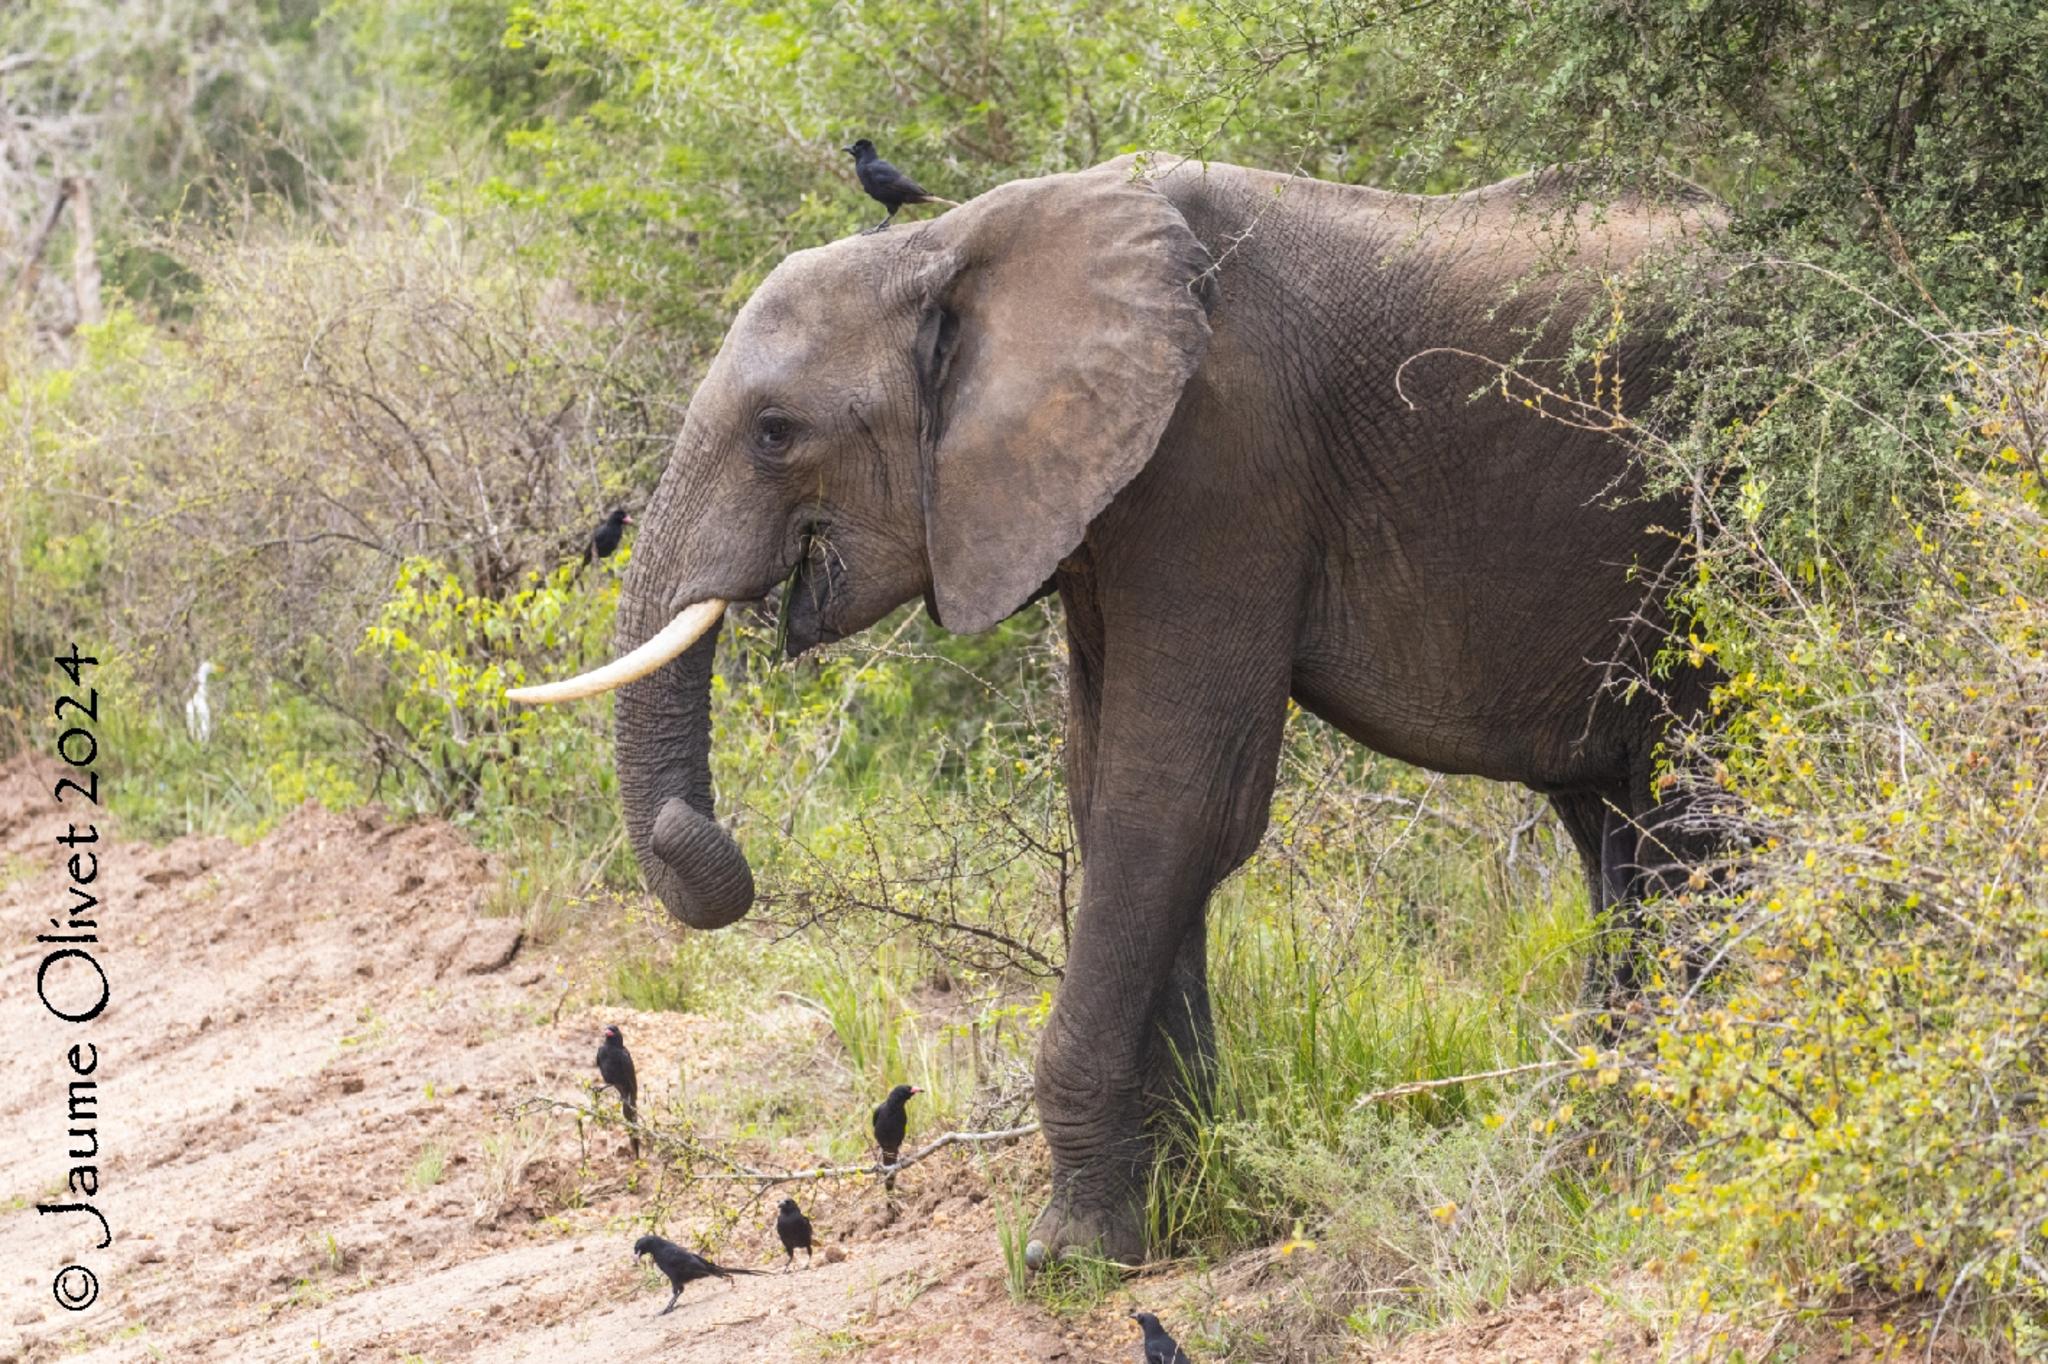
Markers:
{"x": 393, "y": 300}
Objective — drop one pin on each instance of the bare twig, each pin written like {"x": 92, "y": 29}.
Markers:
{"x": 32, "y": 259}
{"x": 738, "y": 1172}
{"x": 1423, "y": 1086}
{"x": 767, "y": 1180}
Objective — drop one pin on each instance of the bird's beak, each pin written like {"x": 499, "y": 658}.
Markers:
{"x": 627, "y": 521}
{"x": 915, "y": 1090}
{"x": 847, "y": 150}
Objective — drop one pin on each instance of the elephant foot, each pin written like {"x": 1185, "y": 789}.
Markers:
{"x": 1112, "y": 1231}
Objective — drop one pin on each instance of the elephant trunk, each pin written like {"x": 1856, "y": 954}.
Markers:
{"x": 663, "y": 727}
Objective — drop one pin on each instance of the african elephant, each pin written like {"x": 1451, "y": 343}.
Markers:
{"x": 1236, "y": 420}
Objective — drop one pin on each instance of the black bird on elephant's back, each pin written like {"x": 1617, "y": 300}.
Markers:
{"x": 615, "y": 1067}
{"x": 891, "y": 1122}
{"x": 793, "y": 1229}
{"x": 886, "y": 185}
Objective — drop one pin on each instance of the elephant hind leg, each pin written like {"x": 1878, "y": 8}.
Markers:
{"x": 1584, "y": 816}
{"x": 1614, "y": 970}
{"x": 1646, "y": 848}
{"x": 1602, "y": 834}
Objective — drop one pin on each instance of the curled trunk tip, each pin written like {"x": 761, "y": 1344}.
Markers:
{"x": 712, "y": 873}
{"x": 663, "y": 724}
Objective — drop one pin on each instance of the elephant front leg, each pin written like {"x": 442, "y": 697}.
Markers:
{"x": 1129, "y": 1047}
{"x": 1183, "y": 1060}
{"x": 1106, "y": 1111}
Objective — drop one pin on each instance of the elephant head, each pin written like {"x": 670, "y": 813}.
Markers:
{"x": 939, "y": 412}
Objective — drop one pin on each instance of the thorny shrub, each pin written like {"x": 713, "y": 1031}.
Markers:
{"x": 246, "y": 488}
{"x": 1861, "y": 1075}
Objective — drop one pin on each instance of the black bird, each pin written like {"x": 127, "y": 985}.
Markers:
{"x": 795, "y": 1230}
{"x": 681, "y": 1266}
{"x": 886, "y": 185}
{"x": 615, "y": 1064}
{"x": 604, "y": 541}
{"x": 1160, "y": 1348}
{"x": 891, "y": 1122}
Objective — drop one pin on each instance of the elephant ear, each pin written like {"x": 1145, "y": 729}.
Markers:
{"x": 1062, "y": 317}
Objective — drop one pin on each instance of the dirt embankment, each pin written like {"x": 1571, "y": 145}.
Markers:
{"x": 313, "y": 1145}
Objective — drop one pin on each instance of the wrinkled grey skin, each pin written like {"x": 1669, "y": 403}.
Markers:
{"x": 1099, "y": 381}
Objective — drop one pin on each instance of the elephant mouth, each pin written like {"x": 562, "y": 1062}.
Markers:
{"x": 812, "y": 613}
{"x": 808, "y": 594}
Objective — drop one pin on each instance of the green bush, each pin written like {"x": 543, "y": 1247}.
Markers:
{"x": 452, "y": 653}
{"x": 1861, "y": 1082}
{"x": 247, "y": 491}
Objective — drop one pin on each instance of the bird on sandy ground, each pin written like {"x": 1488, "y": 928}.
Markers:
{"x": 794, "y": 1230}
{"x": 891, "y": 1122}
{"x": 615, "y": 1065}
{"x": 1160, "y": 1348}
{"x": 886, "y": 185}
{"x": 604, "y": 541}
{"x": 681, "y": 1266}
{"x": 198, "y": 713}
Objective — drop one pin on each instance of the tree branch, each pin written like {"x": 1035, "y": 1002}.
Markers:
{"x": 32, "y": 263}
{"x": 1423, "y": 1086}
{"x": 737, "y": 1172}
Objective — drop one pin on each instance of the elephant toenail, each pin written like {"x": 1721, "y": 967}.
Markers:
{"x": 1035, "y": 1256}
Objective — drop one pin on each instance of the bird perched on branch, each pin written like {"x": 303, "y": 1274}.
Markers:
{"x": 886, "y": 185}
{"x": 615, "y": 1066}
{"x": 891, "y": 1122}
{"x": 198, "y": 713}
{"x": 794, "y": 1231}
{"x": 681, "y": 1266}
{"x": 1160, "y": 1348}
{"x": 604, "y": 541}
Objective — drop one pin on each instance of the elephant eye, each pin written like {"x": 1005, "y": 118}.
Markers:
{"x": 773, "y": 431}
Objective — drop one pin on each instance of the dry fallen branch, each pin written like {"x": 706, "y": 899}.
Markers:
{"x": 737, "y": 1172}
{"x": 767, "y": 1180}
{"x": 32, "y": 258}
{"x": 1422, "y": 1086}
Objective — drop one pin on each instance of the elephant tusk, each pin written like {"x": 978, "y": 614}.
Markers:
{"x": 679, "y": 634}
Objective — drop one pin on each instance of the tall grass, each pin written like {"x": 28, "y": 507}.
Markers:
{"x": 891, "y": 1032}
{"x": 1382, "y": 936}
